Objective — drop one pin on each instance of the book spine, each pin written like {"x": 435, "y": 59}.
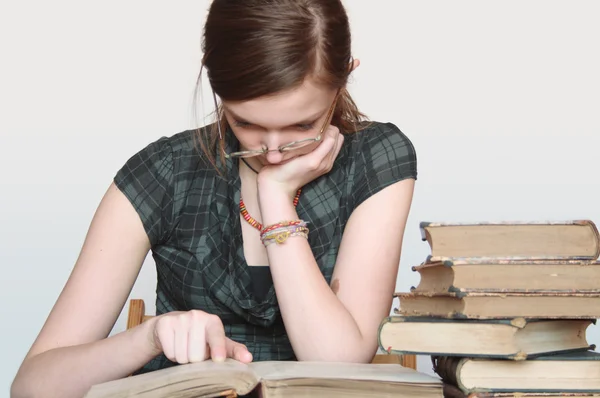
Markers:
{"x": 385, "y": 321}
{"x": 422, "y": 228}
{"x": 446, "y": 367}
{"x": 451, "y": 391}
{"x": 597, "y": 234}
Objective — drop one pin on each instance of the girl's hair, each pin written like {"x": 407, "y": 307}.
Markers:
{"x": 255, "y": 48}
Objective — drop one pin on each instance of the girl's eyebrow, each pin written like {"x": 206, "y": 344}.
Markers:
{"x": 307, "y": 120}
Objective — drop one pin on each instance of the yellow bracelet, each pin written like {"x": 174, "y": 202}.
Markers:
{"x": 281, "y": 237}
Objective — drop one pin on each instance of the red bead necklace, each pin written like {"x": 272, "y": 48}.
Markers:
{"x": 251, "y": 220}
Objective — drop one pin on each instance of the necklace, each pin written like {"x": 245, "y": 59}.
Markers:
{"x": 244, "y": 211}
{"x": 251, "y": 220}
{"x": 248, "y": 164}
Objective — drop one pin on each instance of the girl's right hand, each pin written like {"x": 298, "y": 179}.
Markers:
{"x": 193, "y": 336}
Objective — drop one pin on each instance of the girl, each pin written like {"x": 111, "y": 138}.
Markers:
{"x": 276, "y": 231}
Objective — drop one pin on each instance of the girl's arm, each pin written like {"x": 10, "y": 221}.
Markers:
{"x": 71, "y": 352}
{"x": 339, "y": 322}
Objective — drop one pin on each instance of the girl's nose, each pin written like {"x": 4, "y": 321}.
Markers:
{"x": 274, "y": 157}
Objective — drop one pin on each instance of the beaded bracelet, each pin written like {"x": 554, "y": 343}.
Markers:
{"x": 282, "y": 224}
{"x": 281, "y": 237}
{"x": 290, "y": 228}
{"x": 280, "y": 232}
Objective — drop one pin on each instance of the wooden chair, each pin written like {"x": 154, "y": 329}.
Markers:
{"x": 137, "y": 315}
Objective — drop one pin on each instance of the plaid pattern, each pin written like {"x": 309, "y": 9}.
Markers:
{"x": 191, "y": 216}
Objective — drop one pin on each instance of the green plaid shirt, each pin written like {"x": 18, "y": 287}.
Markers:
{"x": 192, "y": 219}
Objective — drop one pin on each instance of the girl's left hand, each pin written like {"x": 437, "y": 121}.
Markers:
{"x": 291, "y": 176}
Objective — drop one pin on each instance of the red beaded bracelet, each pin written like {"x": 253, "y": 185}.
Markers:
{"x": 279, "y": 225}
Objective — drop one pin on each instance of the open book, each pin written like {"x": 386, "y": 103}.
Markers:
{"x": 274, "y": 379}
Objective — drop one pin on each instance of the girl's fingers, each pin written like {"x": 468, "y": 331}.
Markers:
{"x": 197, "y": 347}
{"x": 215, "y": 337}
{"x": 238, "y": 351}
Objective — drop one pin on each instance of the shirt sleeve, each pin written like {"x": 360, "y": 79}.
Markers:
{"x": 146, "y": 179}
{"x": 384, "y": 156}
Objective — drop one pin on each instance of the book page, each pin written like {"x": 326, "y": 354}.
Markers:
{"x": 190, "y": 380}
{"x": 394, "y": 373}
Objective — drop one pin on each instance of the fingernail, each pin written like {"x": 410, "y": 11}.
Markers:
{"x": 218, "y": 359}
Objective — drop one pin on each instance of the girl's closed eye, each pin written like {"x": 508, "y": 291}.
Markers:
{"x": 240, "y": 123}
{"x": 302, "y": 126}
{"x": 305, "y": 126}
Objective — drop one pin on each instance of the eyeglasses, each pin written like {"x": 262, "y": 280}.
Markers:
{"x": 292, "y": 146}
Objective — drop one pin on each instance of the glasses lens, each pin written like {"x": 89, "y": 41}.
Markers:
{"x": 297, "y": 145}
{"x": 237, "y": 155}
{"x": 246, "y": 154}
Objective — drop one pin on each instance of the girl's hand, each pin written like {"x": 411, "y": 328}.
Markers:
{"x": 291, "y": 176}
{"x": 194, "y": 336}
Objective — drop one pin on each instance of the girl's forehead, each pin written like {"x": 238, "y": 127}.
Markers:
{"x": 300, "y": 104}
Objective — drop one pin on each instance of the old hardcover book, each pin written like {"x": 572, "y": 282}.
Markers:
{"x": 495, "y": 305}
{"x": 516, "y": 339}
{"x": 573, "y": 372}
{"x": 274, "y": 379}
{"x": 443, "y": 274}
{"x": 577, "y": 240}
{"x": 451, "y": 391}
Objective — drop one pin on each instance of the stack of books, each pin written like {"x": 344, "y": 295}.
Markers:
{"x": 503, "y": 308}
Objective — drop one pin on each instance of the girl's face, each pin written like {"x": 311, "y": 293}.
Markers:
{"x": 273, "y": 121}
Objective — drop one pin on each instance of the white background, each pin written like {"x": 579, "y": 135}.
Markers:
{"x": 500, "y": 99}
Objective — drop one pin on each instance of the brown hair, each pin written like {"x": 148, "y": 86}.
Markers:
{"x": 255, "y": 48}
